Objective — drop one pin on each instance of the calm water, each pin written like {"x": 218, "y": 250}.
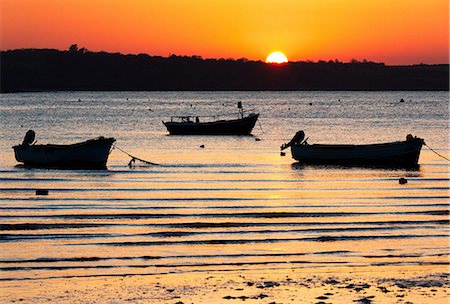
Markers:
{"x": 236, "y": 204}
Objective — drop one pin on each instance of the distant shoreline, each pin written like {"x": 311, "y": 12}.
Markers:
{"x": 76, "y": 91}
{"x": 44, "y": 70}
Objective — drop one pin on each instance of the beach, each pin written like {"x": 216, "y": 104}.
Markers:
{"x": 232, "y": 221}
{"x": 400, "y": 285}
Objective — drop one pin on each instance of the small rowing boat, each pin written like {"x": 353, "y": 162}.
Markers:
{"x": 392, "y": 154}
{"x": 90, "y": 154}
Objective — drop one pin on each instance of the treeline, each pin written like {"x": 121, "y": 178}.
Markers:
{"x": 80, "y": 69}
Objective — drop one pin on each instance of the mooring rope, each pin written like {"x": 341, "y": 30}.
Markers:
{"x": 134, "y": 158}
{"x": 260, "y": 126}
{"x": 436, "y": 152}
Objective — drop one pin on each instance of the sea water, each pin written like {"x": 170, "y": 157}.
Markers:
{"x": 235, "y": 204}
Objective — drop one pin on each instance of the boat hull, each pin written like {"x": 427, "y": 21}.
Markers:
{"x": 91, "y": 154}
{"x": 394, "y": 154}
{"x": 242, "y": 126}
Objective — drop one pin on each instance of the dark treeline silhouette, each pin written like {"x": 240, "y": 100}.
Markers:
{"x": 80, "y": 69}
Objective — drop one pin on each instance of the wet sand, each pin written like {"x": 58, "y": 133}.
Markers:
{"x": 400, "y": 285}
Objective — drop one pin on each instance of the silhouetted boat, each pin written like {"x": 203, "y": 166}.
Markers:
{"x": 191, "y": 125}
{"x": 90, "y": 154}
{"x": 392, "y": 154}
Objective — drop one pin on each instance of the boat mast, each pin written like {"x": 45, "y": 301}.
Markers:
{"x": 241, "y": 111}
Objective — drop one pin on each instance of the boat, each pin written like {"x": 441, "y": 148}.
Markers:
{"x": 392, "y": 154}
{"x": 90, "y": 154}
{"x": 213, "y": 125}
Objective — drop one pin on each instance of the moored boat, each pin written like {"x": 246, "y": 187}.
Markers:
{"x": 213, "y": 125}
{"x": 90, "y": 154}
{"x": 392, "y": 154}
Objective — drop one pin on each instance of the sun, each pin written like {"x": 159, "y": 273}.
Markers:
{"x": 276, "y": 57}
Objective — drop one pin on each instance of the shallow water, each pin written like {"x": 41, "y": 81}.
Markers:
{"x": 234, "y": 205}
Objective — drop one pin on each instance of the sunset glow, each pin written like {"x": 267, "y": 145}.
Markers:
{"x": 276, "y": 57}
{"x": 395, "y": 32}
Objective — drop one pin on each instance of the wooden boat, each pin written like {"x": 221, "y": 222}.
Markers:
{"x": 393, "y": 154}
{"x": 90, "y": 154}
{"x": 192, "y": 125}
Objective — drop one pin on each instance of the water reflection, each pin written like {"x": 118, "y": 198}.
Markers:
{"x": 409, "y": 169}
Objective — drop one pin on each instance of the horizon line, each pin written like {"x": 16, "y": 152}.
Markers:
{"x": 84, "y": 50}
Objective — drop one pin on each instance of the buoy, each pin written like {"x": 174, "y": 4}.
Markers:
{"x": 202, "y": 146}
{"x": 42, "y": 192}
{"x": 402, "y": 181}
{"x": 282, "y": 154}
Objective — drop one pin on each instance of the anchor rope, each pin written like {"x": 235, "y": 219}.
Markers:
{"x": 260, "y": 126}
{"x": 133, "y": 158}
{"x": 436, "y": 152}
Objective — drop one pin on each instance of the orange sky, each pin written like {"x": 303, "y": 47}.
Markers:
{"x": 390, "y": 31}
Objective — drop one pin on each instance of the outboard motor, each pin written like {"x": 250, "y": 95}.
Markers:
{"x": 29, "y": 138}
{"x": 296, "y": 140}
